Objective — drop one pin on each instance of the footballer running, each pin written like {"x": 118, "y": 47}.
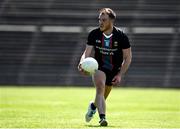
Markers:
{"x": 112, "y": 51}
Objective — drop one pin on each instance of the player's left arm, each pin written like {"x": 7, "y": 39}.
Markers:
{"x": 127, "y": 57}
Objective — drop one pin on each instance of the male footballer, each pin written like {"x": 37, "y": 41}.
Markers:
{"x": 112, "y": 51}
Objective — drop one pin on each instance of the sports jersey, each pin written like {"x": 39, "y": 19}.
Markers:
{"x": 108, "y": 49}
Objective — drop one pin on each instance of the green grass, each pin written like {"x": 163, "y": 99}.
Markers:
{"x": 53, "y": 107}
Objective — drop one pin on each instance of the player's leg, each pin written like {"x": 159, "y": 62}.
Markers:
{"x": 107, "y": 91}
{"x": 103, "y": 121}
{"x": 109, "y": 86}
{"x": 99, "y": 80}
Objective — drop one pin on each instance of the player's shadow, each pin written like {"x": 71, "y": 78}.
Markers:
{"x": 96, "y": 126}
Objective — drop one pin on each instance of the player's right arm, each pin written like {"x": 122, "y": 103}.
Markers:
{"x": 87, "y": 52}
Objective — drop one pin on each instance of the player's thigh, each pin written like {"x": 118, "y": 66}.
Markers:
{"x": 99, "y": 78}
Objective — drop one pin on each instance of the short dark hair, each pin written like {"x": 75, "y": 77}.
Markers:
{"x": 109, "y": 12}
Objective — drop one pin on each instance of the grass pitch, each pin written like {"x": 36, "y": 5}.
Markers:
{"x": 54, "y": 107}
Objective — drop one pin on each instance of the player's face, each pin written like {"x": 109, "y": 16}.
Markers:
{"x": 104, "y": 22}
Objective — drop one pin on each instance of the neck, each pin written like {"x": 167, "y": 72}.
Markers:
{"x": 109, "y": 31}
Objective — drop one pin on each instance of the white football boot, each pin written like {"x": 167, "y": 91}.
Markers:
{"x": 90, "y": 113}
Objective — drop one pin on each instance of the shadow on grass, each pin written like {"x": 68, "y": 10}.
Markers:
{"x": 98, "y": 126}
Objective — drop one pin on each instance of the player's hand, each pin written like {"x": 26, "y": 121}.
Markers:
{"x": 82, "y": 71}
{"x": 116, "y": 80}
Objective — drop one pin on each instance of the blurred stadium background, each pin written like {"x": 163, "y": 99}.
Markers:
{"x": 41, "y": 40}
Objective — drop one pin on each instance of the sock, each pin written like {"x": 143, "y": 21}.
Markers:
{"x": 102, "y": 116}
{"x": 93, "y": 106}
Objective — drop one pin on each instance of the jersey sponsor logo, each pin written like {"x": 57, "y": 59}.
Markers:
{"x": 106, "y": 51}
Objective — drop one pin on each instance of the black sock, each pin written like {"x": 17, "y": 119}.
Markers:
{"x": 93, "y": 106}
{"x": 102, "y": 116}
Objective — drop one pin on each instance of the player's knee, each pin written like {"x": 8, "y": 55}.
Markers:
{"x": 100, "y": 87}
{"x": 100, "y": 90}
{"x": 100, "y": 83}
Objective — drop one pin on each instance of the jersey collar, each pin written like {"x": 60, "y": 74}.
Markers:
{"x": 107, "y": 36}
